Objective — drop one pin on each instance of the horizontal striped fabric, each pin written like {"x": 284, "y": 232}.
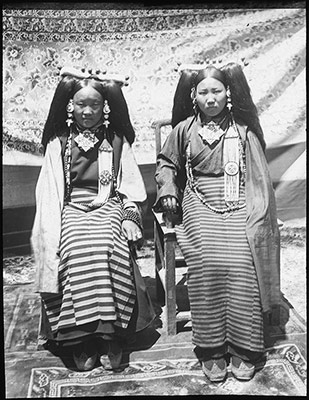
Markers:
{"x": 222, "y": 283}
{"x": 96, "y": 280}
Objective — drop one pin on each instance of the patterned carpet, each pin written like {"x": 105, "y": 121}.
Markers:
{"x": 157, "y": 365}
{"x": 282, "y": 374}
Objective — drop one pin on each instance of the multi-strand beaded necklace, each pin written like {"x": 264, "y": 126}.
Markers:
{"x": 193, "y": 184}
{"x": 67, "y": 171}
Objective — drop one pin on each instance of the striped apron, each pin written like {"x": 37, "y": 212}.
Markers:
{"x": 95, "y": 278}
{"x": 222, "y": 283}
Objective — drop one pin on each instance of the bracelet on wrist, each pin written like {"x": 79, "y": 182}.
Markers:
{"x": 130, "y": 215}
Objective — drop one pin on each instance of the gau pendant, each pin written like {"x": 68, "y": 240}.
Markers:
{"x": 86, "y": 140}
{"x": 211, "y": 132}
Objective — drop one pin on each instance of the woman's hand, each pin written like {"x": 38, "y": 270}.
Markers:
{"x": 131, "y": 231}
{"x": 169, "y": 204}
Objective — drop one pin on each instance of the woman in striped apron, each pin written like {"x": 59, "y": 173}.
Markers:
{"x": 89, "y": 196}
{"x": 212, "y": 170}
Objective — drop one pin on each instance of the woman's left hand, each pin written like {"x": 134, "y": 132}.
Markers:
{"x": 131, "y": 231}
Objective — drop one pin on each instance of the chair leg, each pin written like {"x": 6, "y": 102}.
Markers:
{"x": 170, "y": 292}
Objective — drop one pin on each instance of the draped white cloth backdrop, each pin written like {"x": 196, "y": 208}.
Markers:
{"x": 147, "y": 44}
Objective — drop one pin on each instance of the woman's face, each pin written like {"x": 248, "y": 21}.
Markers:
{"x": 211, "y": 96}
{"x": 88, "y": 107}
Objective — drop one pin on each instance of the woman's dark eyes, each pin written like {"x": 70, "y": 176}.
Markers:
{"x": 213, "y": 91}
{"x": 84, "y": 105}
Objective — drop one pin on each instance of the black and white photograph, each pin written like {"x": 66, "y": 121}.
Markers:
{"x": 154, "y": 199}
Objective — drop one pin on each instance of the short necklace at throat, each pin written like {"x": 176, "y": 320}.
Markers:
{"x": 210, "y": 132}
{"x": 86, "y": 138}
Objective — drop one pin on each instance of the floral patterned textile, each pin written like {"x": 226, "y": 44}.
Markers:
{"x": 282, "y": 374}
{"x": 147, "y": 45}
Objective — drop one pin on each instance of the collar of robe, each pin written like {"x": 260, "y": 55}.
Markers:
{"x": 213, "y": 128}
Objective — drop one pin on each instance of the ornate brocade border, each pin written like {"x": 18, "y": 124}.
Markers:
{"x": 96, "y": 25}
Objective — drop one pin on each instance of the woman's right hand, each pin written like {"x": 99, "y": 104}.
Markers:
{"x": 169, "y": 204}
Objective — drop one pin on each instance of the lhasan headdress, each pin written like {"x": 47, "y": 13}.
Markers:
{"x": 232, "y": 149}
{"x": 203, "y": 64}
{"x": 87, "y": 138}
{"x": 99, "y": 75}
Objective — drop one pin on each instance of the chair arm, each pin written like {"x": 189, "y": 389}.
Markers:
{"x": 157, "y": 125}
{"x": 169, "y": 221}
{"x": 167, "y": 226}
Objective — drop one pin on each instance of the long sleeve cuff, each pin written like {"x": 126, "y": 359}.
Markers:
{"x": 169, "y": 189}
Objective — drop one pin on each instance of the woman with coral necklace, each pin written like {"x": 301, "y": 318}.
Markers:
{"x": 89, "y": 196}
{"x": 212, "y": 170}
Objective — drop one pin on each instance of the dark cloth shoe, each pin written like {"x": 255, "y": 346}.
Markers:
{"x": 215, "y": 369}
{"x": 113, "y": 357}
{"x": 242, "y": 370}
{"x": 85, "y": 356}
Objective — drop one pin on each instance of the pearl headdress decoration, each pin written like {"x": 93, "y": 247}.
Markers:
{"x": 102, "y": 76}
{"x": 203, "y": 64}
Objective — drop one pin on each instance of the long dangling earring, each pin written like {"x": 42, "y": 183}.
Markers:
{"x": 106, "y": 111}
{"x": 228, "y": 99}
{"x": 194, "y": 102}
{"x": 70, "y": 109}
{"x": 195, "y": 108}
